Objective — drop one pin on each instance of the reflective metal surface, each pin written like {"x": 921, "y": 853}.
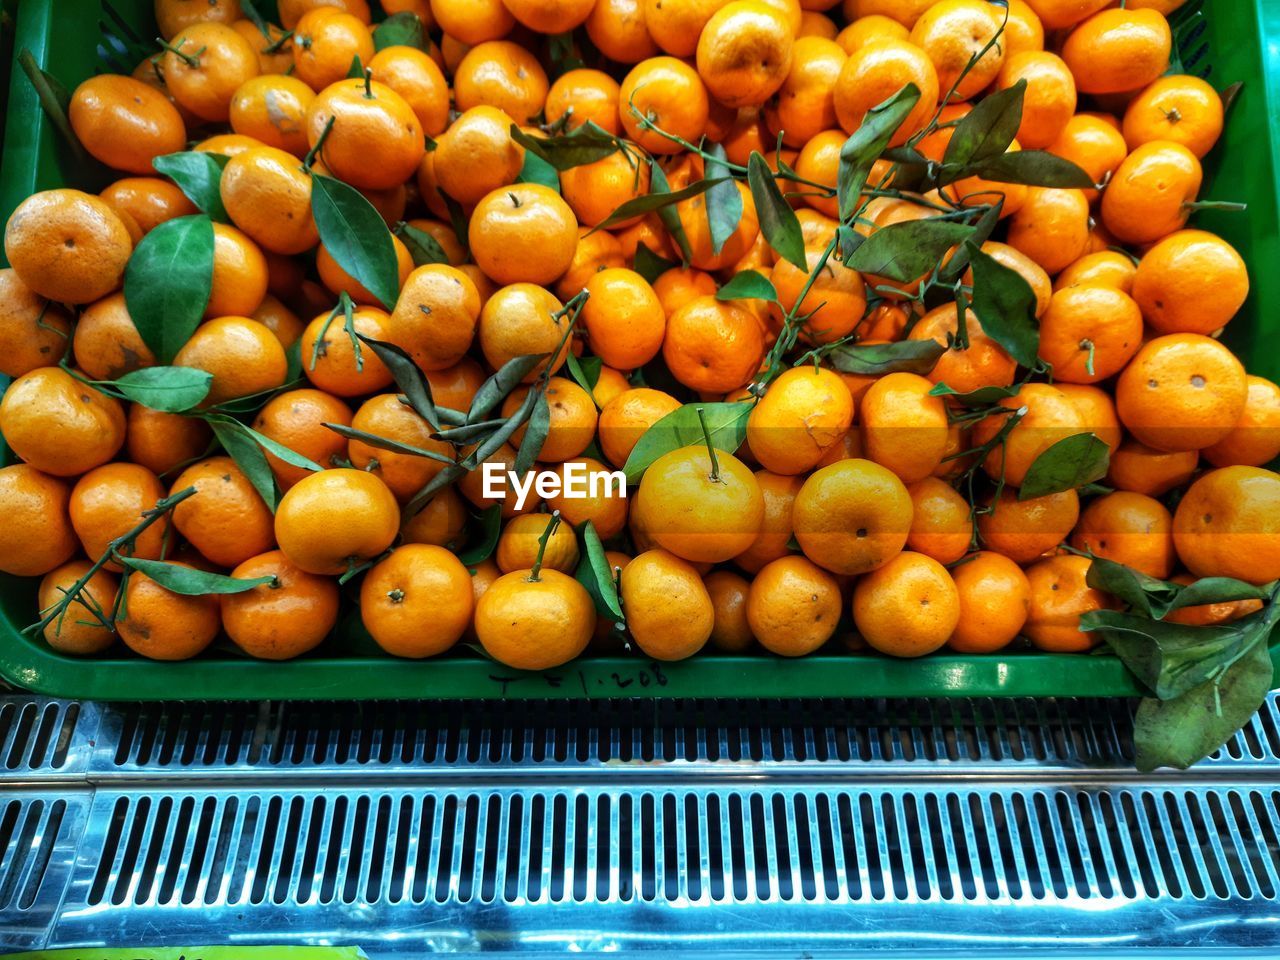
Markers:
{"x": 795, "y": 828}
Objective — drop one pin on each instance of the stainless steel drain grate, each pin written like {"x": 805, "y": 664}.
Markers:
{"x": 412, "y": 828}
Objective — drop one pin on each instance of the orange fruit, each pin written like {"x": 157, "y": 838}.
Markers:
{"x": 595, "y": 190}
{"x": 1118, "y": 50}
{"x": 239, "y": 274}
{"x": 940, "y": 523}
{"x": 803, "y": 413}
{"x": 518, "y": 546}
{"x": 679, "y": 285}
{"x": 1057, "y": 14}
{"x": 1147, "y": 197}
{"x": 149, "y": 200}
{"x": 1105, "y": 268}
{"x": 524, "y": 233}
{"x": 106, "y": 344}
{"x": 37, "y": 535}
{"x": 415, "y": 76}
{"x": 670, "y": 95}
{"x": 455, "y": 387}
{"x": 1210, "y": 614}
{"x": 581, "y": 95}
{"x": 876, "y": 72}
{"x": 108, "y": 502}
{"x": 203, "y": 67}
{"x": 325, "y": 42}
{"x": 908, "y": 607}
{"x": 1059, "y": 595}
{"x": 273, "y": 109}
{"x": 417, "y": 602}
{"x": 804, "y": 105}
{"x": 244, "y": 357}
{"x": 624, "y": 319}
{"x": 268, "y": 196}
{"x": 296, "y": 419}
{"x": 535, "y": 624}
{"x": 625, "y": 418}
{"x": 522, "y": 319}
{"x": 385, "y": 416}
{"x": 604, "y": 503}
{"x": 695, "y": 223}
{"x": 744, "y": 53}
{"x": 700, "y": 510}
{"x": 1051, "y": 227}
{"x": 440, "y": 522}
{"x": 1097, "y": 412}
{"x": 60, "y": 425}
{"x": 173, "y": 16}
{"x": 33, "y": 331}
{"x": 1023, "y": 530}
{"x": 274, "y": 47}
{"x": 329, "y": 357}
{"x": 1092, "y": 142}
{"x": 162, "y": 442}
{"x": 1190, "y": 282}
{"x": 435, "y": 318}
{"x": 376, "y": 141}
{"x": 834, "y": 303}
{"x": 79, "y": 631}
{"x": 712, "y": 345}
{"x": 225, "y": 519}
{"x": 983, "y": 363}
{"x": 772, "y": 542}
{"x": 995, "y": 601}
{"x": 618, "y": 29}
{"x": 1050, "y": 98}
{"x": 227, "y": 144}
{"x": 873, "y": 26}
{"x": 280, "y": 320}
{"x": 1228, "y": 525}
{"x": 852, "y": 516}
{"x": 336, "y": 519}
{"x": 669, "y": 611}
{"x": 1022, "y": 29}
{"x": 904, "y": 428}
{"x": 67, "y": 246}
{"x": 1089, "y": 333}
{"x": 471, "y": 485}
{"x": 1255, "y": 439}
{"x": 793, "y": 606}
{"x": 572, "y": 419}
{"x": 952, "y": 33}
{"x": 1181, "y": 392}
{"x": 1050, "y": 417}
{"x": 1183, "y": 109}
{"x": 125, "y": 123}
{"x": 282, "y": 619}
{"x": 291, "y": 11}
{"x": 730, "y": 631}
{"x": 1143, "y": 469}
{"x": 1129, "y": 528}
{"x": 498, "y": 73}
{"x": 676, "y": 26}
{"x": 161, "y": 625}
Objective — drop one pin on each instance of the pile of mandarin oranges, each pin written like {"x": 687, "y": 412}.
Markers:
{"x": 861, "y": 381}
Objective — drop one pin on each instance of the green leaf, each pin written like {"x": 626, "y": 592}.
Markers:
{"x": 199, "y": 175}
{"x": 168, "y": 281}
{"x": 1178, "y": 732}
{"x": 649, "y": 265}
{"x": 726, "y": 425}
{"x": 585, "y": 370}
{"x": 748, "y": 285}
{"x": 167, "y": 389}
{"x": 1155, "y": 598}
{"x": 1037, "y": 168}
{"x": 867, "y": 143}
{"x": 904, "y": 251}
{"x": 668, "y": 213}
{"x": 293, "y": 361}
{"x": 402, "y": 29}
{"x": 491, "y": 530}
{"x": 55, "y": 101}
{"x": 850, "y": 240}
{"x": 986, "y": 224}
{"x": 411, "y": 382}
{"x": 778, "y": 221}
{"x": 588, "y": 143}
{"x": 724, "y": 200}
{"x": 654, "y": 200}
{"x": 982, "y": 397}
{"x": 536, "y": 170}
{"x": 984, "y": 132}
{"x": 876, "y": 359}
{"x": 1005, "y": 304}
{"x": 1070, "y": 463}
{"x": 535, "y": 434}
{"x": 356, "y": 70}
{"x": 596, "y": 575}
{"x": 386, "y": 443}
{"x": 494, "y": 390}
{"x": 189, "y": 581}
{"x": 422, "y": 246}
{"x": 356, "y": 236}
{"x": 248, "y": 455}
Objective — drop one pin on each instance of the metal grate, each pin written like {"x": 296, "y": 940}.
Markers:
{"x": 411, "y": 828}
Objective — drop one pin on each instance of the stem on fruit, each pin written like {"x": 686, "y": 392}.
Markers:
{"x": 535, "y": 574}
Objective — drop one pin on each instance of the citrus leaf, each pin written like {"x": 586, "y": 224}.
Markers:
{"x": 55, "y": 101}
{"x": 585, "y": 370}
{"x": 778, "y": 221}
{"x": 189, "y": 581}
{"x": 1156, "y": 598}
{"x": 199, "y": 175}
{"x": 748, "y": 285}
{"x": 1070, "y": 463}
{"x": 495, "y": 389}
{"x": 596, "y": 575}
{"x": 724, "y": 200}
{"x": 985, "y": 131}
{"x": 167, "y": 389}
{"x": 986, "y": 224}
{"x": 402, "y": 29}
{"x": 649, "y": 265}
{"x": 535, "y": 434}
{"x": 422, "y": 246}
{"x": 1179, "y": 732}
{"x": 867, "y": 143}
{"x": 654, "y": 200}
{"x": 356, "y": 70}
{"x": 279, "y": 450}
{"x": 589, "y": 143}
{"x": 726, "y": 425}
{"x": 876, "y": 359}
{"x": 168, "y": 281}
{"x": 356, "y": 236}
{"x": 411, "y": 382}
{"x": 981, "y": 397}
{"x": 904, "y": 251}
{"x": 386, "y": 443}
{"x": 668, "y": 213}
{"x": 1037, "y": 168}
{"x": 1005, "y": 304}
{"x": 536, "y": 170}
{"x": 491, "y": 529}
{"x": 248, "y": 455}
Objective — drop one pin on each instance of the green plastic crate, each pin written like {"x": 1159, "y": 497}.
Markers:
{"x": 1234, "y": 40}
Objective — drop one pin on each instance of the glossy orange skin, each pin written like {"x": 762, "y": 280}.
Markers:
{"x": 161, "y": 625}
{"x": 108, "y": 502}
{"x": 273, "y": 109}
{"x": 172, "y": 16}
{"x": 1059, "y": 595}
{"x": 1080, "y": 318}
{"x": 908, "y": 607}
{"x": 418, "y": 79}
{"x": 1118, "y": 50}
{"x": 384, "y": 415}
{"x": 852, "y": 516}
{"x": 417, "y": 602}
{"x": 584, "y": 95}
{"x": 1093, "y": 144}
{"x": 296, "y": 419}
{"x": 876, "y": 72}
{"x": 149, "y": 200}
{"x": 39, "y": 535}
{"x": 712, "y": 345}
{"x": 125, "y": 123}
{"x": 282, "y": 619}
{"x": 1142, "y": 469}
{"x": 226, "y": 519}
{"x": 625, "y": 418}
{"x": 502, "y": 74}
{"x": 376, "y": 141}
{"x": 239, "y": 274}
{"x": 207, "y": 86}
{"x": 324, "y": 44}
{"x": 995, "y": 600}
{"x": 60, "y": 425}
{"x": 78, "y": 632}
{"x": 1023, "y": 530}
{"x": 524, "y": 233}
{"x": 106, "y": 344}
{"x": 672, "y": 93}
{"x": 1184, "y": 109}
{"x": 336, "y": 369}
{"x": 674, "y": 614}
{"x": 336, "y": 518}
{"x": 1147, "y": 196}
{"x": 983, "y": 363}
{"x": 1190, "y": 282}
{"x": 161, "y": 442}
{"x": 535, "y": 625}
{"x": 67, "y": 245}
{"x": 268, "y": 196}
{"x": 474, "y": 156}
{"x": 243, "y": 355}
{"x": 1228, "y": 525}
